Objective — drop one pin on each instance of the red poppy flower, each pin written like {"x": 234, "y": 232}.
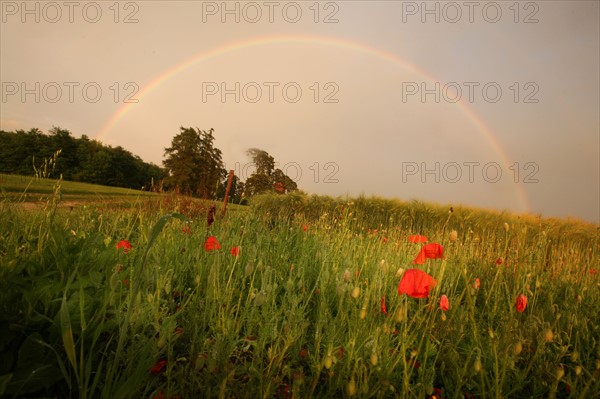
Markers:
{"x": 158, "y": 367}
{"x": 211, "y": 244}
{"x": 521, "y": 303}
{"x": 498, "y": 261}
{"x": 284, "y": 391}
{"x": 593, "y": 271}
{"x": 383, "y": 307}
{"x": 235, "y": 251}
{"x": 159, "y": 395}
{"x": 305, "y": 227}
{"x": 416, "y": 283}
{"x": 126, "y": 281}
{"x": 384, "y": 240}
{"x": 417, "y": 238}
{"x": 444, "y": 303}
{"x": 476, "y": 284}
{"x": 429, "y": 251}
{"x": 303, "y": 352}
{"x": 186, "y": 229}
{"x": 126, "y": 245}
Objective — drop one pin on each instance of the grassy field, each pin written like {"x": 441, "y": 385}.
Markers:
{"x": 295, "y": 297}
{"x": 29, "y": 188}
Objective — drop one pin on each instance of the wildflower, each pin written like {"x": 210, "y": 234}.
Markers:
{"x": 498, "y": 261}
{"x": 284, "y": 391}
{"x": 186, "y": 229}
{"x": 506, "y": 227}
{"x": 304, "y": 227}
{"x": 303, "y": 353}
{"x": 211, "y": 244}
{"x": 444, "y": 303}
{"x": 158, "y": 367}
{"x": 417, "y": 238}
{"x": 384, "y": 240}
{"x": 126, "y": 281}
{"x": 548, "y": 335}
{"x": 453, "y": 235}
{"x": 476, "y": 284}
{"x": 416, "y": 283}
{"x": 383, "y": 307}
{"x": 593, "y": 271}
{"x": 235, "y": 251}
{"x": 429, "y": 251}
{"x": 126, "y": 245}
{"x": 521, "y": 303}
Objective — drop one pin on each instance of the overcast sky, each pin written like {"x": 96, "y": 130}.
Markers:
{"x": 489, "y": 104}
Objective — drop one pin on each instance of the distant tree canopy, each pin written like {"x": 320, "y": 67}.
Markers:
{"x": 266, "y": 178}
{"x": 85, "y": 160}
{"x": 193, "y": 163}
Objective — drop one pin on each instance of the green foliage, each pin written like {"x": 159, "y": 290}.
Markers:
{"x": 80, "y": 318}
{"x": 266, "y": 178}
{"x": 194, "y": 165}
{"x": 81, "y": 160}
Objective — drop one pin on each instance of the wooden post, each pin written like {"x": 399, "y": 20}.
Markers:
{"x": 229, "y": 180}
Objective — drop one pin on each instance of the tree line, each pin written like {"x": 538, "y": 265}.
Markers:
{"x": 192, "y": 164}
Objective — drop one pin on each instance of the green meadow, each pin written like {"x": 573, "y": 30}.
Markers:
{"x": 294, "y": 296}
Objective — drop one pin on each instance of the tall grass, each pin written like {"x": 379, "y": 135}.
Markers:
{"x": 299, "y": 311}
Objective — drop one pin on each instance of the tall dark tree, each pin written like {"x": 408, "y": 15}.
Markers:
{"x": 193, "y": 164}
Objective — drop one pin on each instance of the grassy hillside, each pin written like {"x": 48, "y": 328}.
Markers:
{"x": 296, "y": 297}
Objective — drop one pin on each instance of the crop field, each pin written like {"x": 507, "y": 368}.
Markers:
{"x": 295, "y": 296}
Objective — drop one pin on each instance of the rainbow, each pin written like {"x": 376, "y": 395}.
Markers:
{"x": 324, "y": 41}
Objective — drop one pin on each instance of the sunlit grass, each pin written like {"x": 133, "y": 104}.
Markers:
{"x": 299, "y": 310}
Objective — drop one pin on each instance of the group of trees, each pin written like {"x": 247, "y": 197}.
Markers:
{"x": 192, "y": 164}
{"x": 80, "y": 159}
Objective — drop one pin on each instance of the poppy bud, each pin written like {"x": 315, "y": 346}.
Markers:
{"x": 506, "y": 227}
{"x": 363, "y": 313}
{"x": 548, "y": 335}
{"x": 328, "y": 361}
{"x": 453, "y": 235}
{"x": 347, "y": 275}
{"x": 374, "y": 359}
{"x": 355, "y": 292}
{"x": 351, "y": 387}
{"x": 578, "y": 370}
{"x": 477, "y": 365}
{"x": 560, "y": 372}
{"x": 518, "y": 348}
